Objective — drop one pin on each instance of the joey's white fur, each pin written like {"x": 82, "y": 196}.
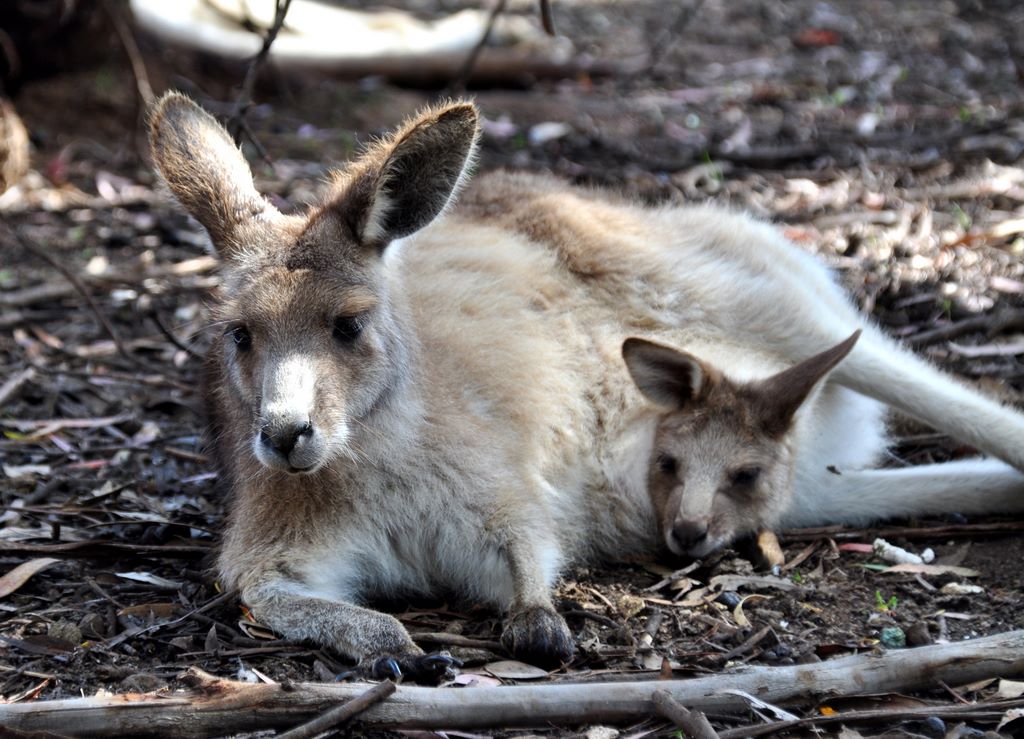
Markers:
{"x": 483, "y": 429}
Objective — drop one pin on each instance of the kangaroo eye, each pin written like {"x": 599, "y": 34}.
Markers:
{"x": 242, "y": 338}
{"x": 347, "y": 328}
{"x": 746, "y": 476}
{"x": 667, "y": 465}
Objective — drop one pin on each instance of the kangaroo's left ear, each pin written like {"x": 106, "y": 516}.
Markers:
{"x": 668, "y": 377}
{"x": 405, "y": 181}
{"x": 777, "y": 399}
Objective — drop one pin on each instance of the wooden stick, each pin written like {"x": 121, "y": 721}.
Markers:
{"x": 693, "y": 723}
{"x": 215, "y": 706}
{"x": 342, "y": 713}
{"x": 974, "y": 711}
{"x": 461, "y": 80}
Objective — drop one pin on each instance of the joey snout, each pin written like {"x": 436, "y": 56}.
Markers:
{"x": 687, "y": 534}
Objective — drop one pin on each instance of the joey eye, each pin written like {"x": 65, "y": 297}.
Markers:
{"x": 667, "y": 465}
{"x": 746, "y": 476}
{"x": 242, "y": 338}
{"x": 347, "y": 328}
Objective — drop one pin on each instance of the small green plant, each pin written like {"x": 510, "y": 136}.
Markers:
{"x": 714, "y": 171}
{"x": 881, "y": 604}
{"x": 962, "y": 217}
{"x": 797, "y": 578}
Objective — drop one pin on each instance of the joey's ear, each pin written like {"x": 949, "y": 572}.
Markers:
{"x": 204, "y": 169}
{"x": 667, "y": 377}
{"x": 778, "y": 397}
{"x": 404, "y": 182}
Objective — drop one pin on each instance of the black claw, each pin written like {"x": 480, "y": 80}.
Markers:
{"x": 439, "y": 662}
{"x": 387, "y": 667}
{"x": 346, "y": 675}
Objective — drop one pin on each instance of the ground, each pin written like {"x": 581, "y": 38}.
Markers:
{"x": 884, "y": 136}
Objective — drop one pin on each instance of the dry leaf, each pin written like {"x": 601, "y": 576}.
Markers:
{"x": 474, "y": 680}
{"x": 20, "y": 574}
{"x": 149, "y": 578}
{"x": 154, "y": 610}
{"x": 212, "y": 643}
{"x": 1010, "y": 689}
{"x": 933, "y": 570}
{"x": 26, "y": 470}
{"x": 510, "y": 669}
{"x": 256, "y": 630}
{"x": 762, "y": 582}
{"x": 771, "y": 552}
{"x": 737, "y": 613}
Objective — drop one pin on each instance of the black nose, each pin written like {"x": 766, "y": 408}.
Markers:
{"x": 284, "y": 438}
{"x": 689, "y": 533}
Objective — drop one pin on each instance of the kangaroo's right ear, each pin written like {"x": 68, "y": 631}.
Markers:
{"x": 405, "y": 181}
{"x": 778, "y": 397}
{"x": 204, "y": 169}
{"x": 667, "y": 377}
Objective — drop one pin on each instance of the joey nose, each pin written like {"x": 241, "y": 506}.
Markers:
{"x": 285, "y": 437}
{"x": 689, "y": 534}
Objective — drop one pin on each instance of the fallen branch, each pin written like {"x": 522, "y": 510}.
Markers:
{"x": 215, "y": 707}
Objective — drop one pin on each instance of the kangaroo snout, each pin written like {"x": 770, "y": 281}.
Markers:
{"x": 290, "y": 441}
{"x": 287, "y": 438}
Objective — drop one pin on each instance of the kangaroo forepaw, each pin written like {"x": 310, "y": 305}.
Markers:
{"x": 539, "y": 636}
{"x": 418, "y": 667}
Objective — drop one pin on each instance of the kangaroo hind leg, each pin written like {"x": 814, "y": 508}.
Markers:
{"x": 858, "y": 497}
{"x": 880, "y": 369}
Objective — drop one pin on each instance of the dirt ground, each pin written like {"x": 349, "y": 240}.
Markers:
{"x": 885, "y": 136}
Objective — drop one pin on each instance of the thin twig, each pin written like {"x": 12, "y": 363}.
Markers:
{"x": 694, "y": 723}
{"x": 462, "y": 78}
{"x": 236, "y": 123}
{"x": 547, "y": 18}
{"x": 975, "y": 711}
{"x": 27, "y": 245}
{"x": 457, "y": 640}
{"x": 15, "y": 383}
{"x": 992, "y": 324}
{"x": 344, "y": 712}
{"x": 169, "y": 335}
{"x": 682, "y": 20}
{"x": 124, "y": 34}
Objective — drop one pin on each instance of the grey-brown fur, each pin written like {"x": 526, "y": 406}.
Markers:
{"x": 452, "y": 413}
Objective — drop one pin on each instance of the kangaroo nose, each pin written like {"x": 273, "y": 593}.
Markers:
{"x": 283, "y": 438}
{"x": 689, "y": 534}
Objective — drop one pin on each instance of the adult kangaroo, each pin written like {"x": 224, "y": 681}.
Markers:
{"x": 403, "y": 403}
